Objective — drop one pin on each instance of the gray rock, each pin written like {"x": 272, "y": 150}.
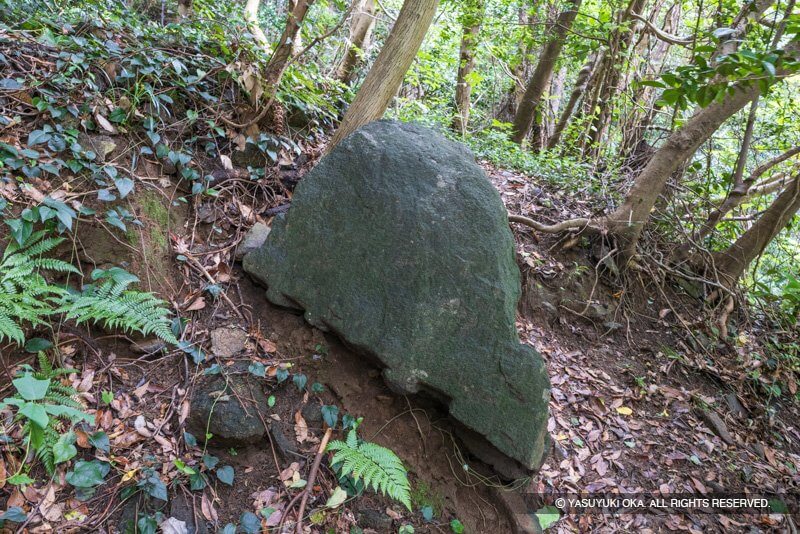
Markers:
{"x": 734, "y": 405}
{"x": 253, "y": 239}
{"x": 231, "y": 413}
{"x": 251, "y": 156}
{"x": 284, "y": 443}
{"x": 228, "y": 341}
{"x": 312, "y": 413}
{"x": 398, "y": 243}
{"x": 716, "y": 424}
{"x": 181, "y": 509}
{"x": 375, "y": 519}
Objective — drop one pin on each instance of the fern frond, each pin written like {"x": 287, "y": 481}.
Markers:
{"x": 115, "y": 307}
{"x": 376, "y": 466}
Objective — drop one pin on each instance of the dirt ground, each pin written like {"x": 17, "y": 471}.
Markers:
{"x": 629, "y": 387}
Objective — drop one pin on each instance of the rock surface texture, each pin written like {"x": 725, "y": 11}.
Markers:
{"x": 230, "y": 411}
{"x": 398, "y": 243}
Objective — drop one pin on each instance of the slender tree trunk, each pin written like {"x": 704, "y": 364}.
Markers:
{"x": 471, "y": 20}
{"x": 627, "y": 221}
{"x": 387, "y": 73}
{"x": 614, "y": 60}
{"x": 361, "y": 26}
{"x": 280, "y": 57}
{"x": 740, "y": 191}
{"x": 540, "y": 79}
{"x": 581, "y": 82}
{"x": 251, "y": 16}
{"x": 732, "y": 263}
{"x": 641, "y": 116}
{"x": 543, "y": 123}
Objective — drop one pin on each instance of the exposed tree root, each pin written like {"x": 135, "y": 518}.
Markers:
{"x": 582, "y": 224}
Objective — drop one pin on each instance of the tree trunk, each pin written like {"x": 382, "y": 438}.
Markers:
{"x": 471, "y": 20}
{"x": 581, "y": 82}
{"x": 280, "y": 57}
{"x": 251, "y": 16}
{"x": 732, "y": 263}
{"x": 641, "y": 115}
{"x": 738, "y": 193}
{"x": 361, "y": 26}
{"x": 540, "y": 79}
{"x": 387, "y": 73}
{"x": 627, "y": 221}
{"x": 620, "y": 42}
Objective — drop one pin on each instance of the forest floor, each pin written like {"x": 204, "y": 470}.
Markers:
{"x": 628, "y": 392}
{"x": 634, "y": 367}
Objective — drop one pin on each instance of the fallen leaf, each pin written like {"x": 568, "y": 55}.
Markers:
{"x": 103, "y": 122}
{"x": 300, "y": 427}
{"x": 207, "y": 508}
{"x": 173, "y": 525}
{"x": 198, "y": 304}
{"x": 624, "y": 410}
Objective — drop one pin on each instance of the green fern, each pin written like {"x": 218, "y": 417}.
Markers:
{"x": 27, "y": 298}
{"x": 47, "y": 409}
{"x": 374, "y": 465}
{"x": 25, "y": 295}
{"x": 110, "y": 303}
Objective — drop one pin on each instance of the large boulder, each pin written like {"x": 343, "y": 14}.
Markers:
{"x": 397, "y": 242}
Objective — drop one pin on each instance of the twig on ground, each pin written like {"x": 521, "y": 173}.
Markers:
{"x": 312, "y": 476}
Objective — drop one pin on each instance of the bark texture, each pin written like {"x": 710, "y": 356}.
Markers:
{"x": 540, "y": 79}
{"x": 471, "y": 22}
{"x": 280, "y": 57}
{"x": 732, "y": 263}
{"x": 361, "y": 26}
{"x": 387, "y": 73}
{"x": 627, "y": 221}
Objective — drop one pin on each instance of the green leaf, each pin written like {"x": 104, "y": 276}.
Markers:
{"x": 257, "y": 369}
{"x": 456, "y": 526}
{"x": 189, "y": 439}
{"x": 225, "y": 475}
{"x": 300, "y": 381}
{"x": 36, "y": 413}
{"x": 330, "y": 414}
{"x": 20, "y": 479}
{"x": 118, "y": 115}
{"x": 38, "y": 137}
{"x": 124, "y": 186}
{"x": 88, "y": 474}
{"x": 250, "y": 523}
{"x": 64, "y": 449}
{"x": 73, "y": 414}
{"x": 31, "y": 388}
{"x": 547, "y": 516}
{"x": 99, "y": 440}
{"x": 427, "y": 513}
{"x": 37, "y": 344}
{"x": 15, "y": 514}
{"x": 197, "y": 482}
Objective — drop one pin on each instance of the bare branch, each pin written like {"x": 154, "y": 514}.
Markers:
{"x": 664, "y": 36}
